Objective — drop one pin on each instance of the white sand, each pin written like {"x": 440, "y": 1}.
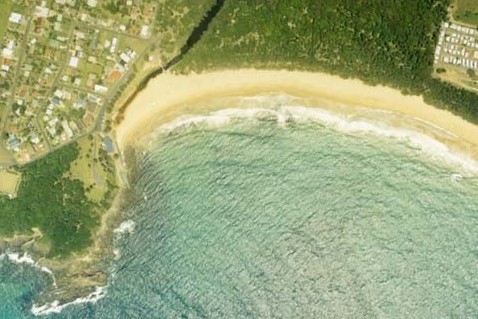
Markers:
{"x": 169, "y": 96}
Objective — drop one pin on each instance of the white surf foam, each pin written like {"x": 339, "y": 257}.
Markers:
{"x": 427, "y": 144}
{"x": 360, "y": 122}
{"x": 24, "y": 258}
{"x": 56, "y": 307}
{"x": 456, "y": 177}
{"x": 19, "y": 258}
{"x": 117, "y": 253}
{"x": 186, "y": 121}
{"x": 126, "y": 227}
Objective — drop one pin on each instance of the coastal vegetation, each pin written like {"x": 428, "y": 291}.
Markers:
{"x": 53, "y": 203}
{"x": 466, "y": 11}
{"x": 174, "y": 22}
{"x": 4, "y": 11}
{"x": 380, "y": 42}
{"x": 93, "y": 167}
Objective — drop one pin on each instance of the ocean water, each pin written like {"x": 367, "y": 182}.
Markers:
{"x": 268, "y": 215}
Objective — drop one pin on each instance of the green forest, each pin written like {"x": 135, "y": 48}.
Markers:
{"x": 174, "y": 21}
{"x": 51, "y": 202}
{"x": 389, "y": 42}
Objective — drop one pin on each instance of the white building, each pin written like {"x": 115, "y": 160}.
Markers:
{"x": 101, "y": 88}
{"x": 145, "y": 31}
{"x": 15, "y": 17}
{"x": 74, "y": 62}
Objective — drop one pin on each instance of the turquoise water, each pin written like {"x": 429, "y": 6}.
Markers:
{"x": 255, "y": 219}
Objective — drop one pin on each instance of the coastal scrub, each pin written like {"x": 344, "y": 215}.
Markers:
{"x": 51, "y": 202}
{"x": 383, "y": 42}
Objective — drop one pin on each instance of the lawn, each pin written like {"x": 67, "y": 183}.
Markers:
{"x": 466, "y": 11}
{"x": 88, "y": 169}
{"x": 5, "y": 7}
{"x": 9, "y": 182}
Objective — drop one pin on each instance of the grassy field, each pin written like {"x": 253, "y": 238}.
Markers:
{"x": 5, "y": 6}
{"x": 9, "y": 182}
{"x": 466, "y": 11}
{"x": 88, "y": 169}
{"x": 458, "y": 75}
{"x": 5, "y": 157}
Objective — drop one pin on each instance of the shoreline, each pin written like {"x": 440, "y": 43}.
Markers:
{"x": 171, "y": 96}
{"x": 83, "y": 277}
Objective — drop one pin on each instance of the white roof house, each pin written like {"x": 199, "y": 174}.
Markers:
{"x": 101, "y": 88}
{"x": 145, "y": 31}
{"x": 73, "y": 62}
{"x": 7, "y": 53}
{"x": 15, "y": 17}
{"x": 126, "y": 58}
{"x": 42, "y": 11}
{"x": 114, "y": 42}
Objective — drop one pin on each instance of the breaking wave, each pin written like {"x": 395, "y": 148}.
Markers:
{"x": 366, "y": 122}
{"x": 56, "y": 307}
{"x": 126, "y": 227}
{"x": 26, "y": 259}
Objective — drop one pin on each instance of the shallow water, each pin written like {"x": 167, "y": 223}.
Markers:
{"x": 266, "y": 217}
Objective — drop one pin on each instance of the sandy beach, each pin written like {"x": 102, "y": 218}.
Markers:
{"x": 169, "y": 96}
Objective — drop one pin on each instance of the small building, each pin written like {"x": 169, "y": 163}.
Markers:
{"x": 124, "y": 57}
{"x": 144, "y": 31}
{"x": 108, "y": 145}
{"x": 73, "y": 62}
{"x": 15, "y": 17}
{"x": 7, "y": 53}
{"x": 114, "y": 42}
{"x": 55, "y": 101}
{"x": 12, "y": 142}
{"x": 100, "y": 88}
{"x": 42, "y": 12}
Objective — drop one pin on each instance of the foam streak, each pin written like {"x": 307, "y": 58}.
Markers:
{"x": 340, "y": 122}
